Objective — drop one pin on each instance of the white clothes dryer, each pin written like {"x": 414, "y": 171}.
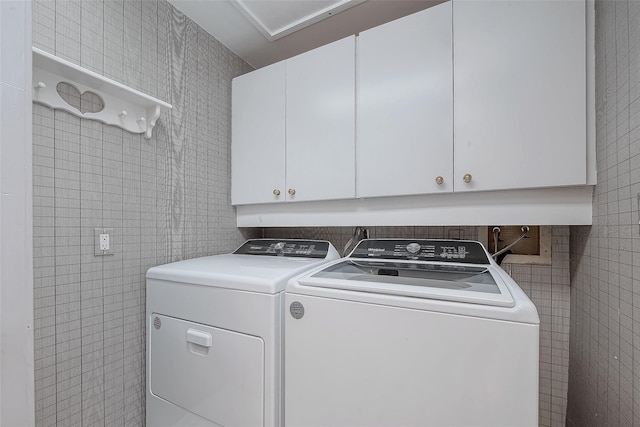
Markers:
{"x": 214, "y": 334}
{"x": 410, "y": 333}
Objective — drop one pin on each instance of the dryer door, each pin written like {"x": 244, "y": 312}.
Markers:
{"x": 214, "y": 373}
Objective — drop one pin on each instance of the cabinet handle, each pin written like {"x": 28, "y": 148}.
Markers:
{"x": 276, "y": 192}
{"x": 467, "y": 178}
{"x": 292, "y": 191}
{"x": 439, "y": 180}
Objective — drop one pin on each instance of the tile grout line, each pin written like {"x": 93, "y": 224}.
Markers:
{"x": 632, "y": 379}
{"x": 102, "y": 260}
{"x": 81, "y": 263}
{"x": 80, "y": 237}
{"x": 55, "y": 233}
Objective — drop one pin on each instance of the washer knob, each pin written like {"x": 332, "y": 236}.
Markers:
{"x": 292, "y": 191}
{"x": 439, "y": 180}
{"x": 413, "y": 248}
{"x": 279, "y": 246}
{"x": 276, "y": 192}
{"x": 467, "y": 178}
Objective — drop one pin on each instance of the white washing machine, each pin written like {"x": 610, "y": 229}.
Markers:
{"x": 410, "y": 333}
{"x": 214, "y": 327}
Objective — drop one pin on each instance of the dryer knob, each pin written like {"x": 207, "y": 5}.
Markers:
{"x": 413, "y": 248}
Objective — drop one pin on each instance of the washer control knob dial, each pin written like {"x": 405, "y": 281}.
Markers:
{"x": 279, "y": 246}
{"x": 413, "y": 248}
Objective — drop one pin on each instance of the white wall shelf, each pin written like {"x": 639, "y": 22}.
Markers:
{"x": 124, "y": 107}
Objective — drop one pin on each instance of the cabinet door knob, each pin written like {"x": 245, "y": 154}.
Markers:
{"x": 292, "y": 191}
{"x": 276, "y": 192}
{"x": 467, "y": 178}
{"x": 439, "y": 180}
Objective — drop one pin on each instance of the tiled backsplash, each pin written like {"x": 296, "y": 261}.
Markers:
{"x": 547, "y": 286}
{"x": 166, "y": 198}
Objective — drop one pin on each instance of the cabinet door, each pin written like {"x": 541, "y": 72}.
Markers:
{"x": 520, "y": 94}
{"x": 320, "y": 123}
{"x": 405, "y": 106}
{"x": 258, "y": 136}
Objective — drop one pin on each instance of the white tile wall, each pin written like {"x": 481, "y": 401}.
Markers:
{"x": 166, "y": 199}
{"x": 604, "y": 380}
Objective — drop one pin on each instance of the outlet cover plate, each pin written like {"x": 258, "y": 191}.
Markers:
{"x": 97, "y": 232}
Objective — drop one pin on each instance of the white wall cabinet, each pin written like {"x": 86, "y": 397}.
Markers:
{"x": 320, "y": 124}
{"x": 405, "y": 106}
{"x": 520, "y": 94}
{"x": 517, "y": 90}
{"x": 258, "y": 128}
{"x": 490, "y": 96}
{"x": 294, "y": 128}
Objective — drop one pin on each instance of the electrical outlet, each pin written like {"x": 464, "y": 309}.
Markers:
{"x": 103, "y": 241}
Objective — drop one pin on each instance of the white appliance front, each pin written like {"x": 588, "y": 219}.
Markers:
{"x": 215, "y": 374}
{"x": 358, "y": 356}
{"x": 214, "y": 334}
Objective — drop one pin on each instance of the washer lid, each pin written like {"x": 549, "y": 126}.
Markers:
{"x": 256, "y": 267}
{"x": 469, "y": 283}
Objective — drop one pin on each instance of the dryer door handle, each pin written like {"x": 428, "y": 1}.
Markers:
{"x": 197, "y": 337}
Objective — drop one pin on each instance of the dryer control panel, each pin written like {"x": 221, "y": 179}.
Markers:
{"x": 458, "y": 251}
{"x": 286, "y": 248}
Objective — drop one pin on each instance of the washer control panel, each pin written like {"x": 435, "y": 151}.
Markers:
{"x": 286, "y": 248}
{"x": 458, "y": 251}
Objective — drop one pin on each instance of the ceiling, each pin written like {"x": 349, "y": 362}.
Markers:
{"x": 266, "y": 31}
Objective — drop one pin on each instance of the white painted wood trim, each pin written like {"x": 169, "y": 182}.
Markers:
{"x": 549, "y": 206}
{"x": 17, "y": 406}
{"x": 333, "y": 8}
{"x": 592, "y": 174}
